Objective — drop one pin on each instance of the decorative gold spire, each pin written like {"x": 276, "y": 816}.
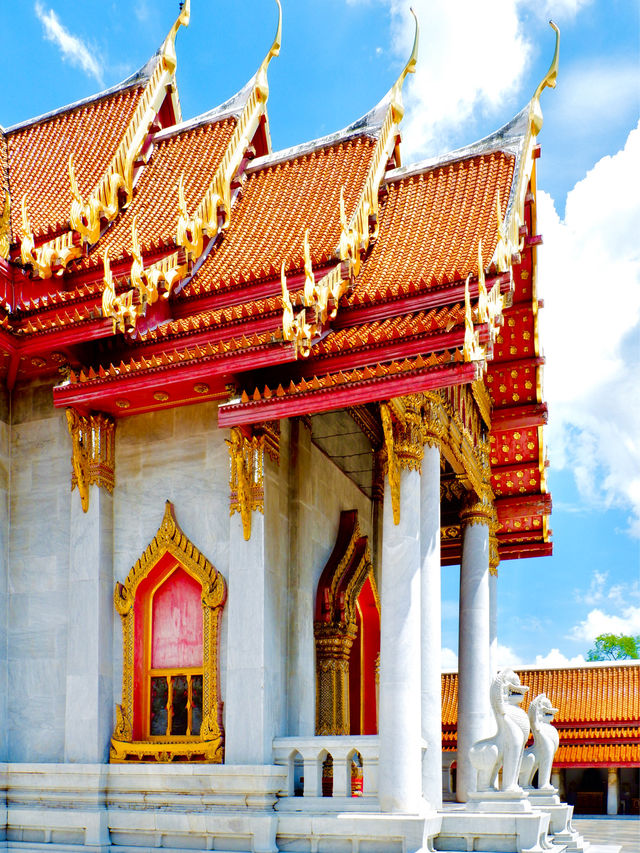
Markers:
{"x": 357, "y": 233}
{"x": 105, "y": 201}
{"x": 213, "y": 212}
{"x": 549, "y": 79}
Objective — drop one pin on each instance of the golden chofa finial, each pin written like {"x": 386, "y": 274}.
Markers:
{"x": 262, "y": 85}
{"x": 410, "y": 68}
{"x": 549, "y": 79}
{"x": 168, "y": 49}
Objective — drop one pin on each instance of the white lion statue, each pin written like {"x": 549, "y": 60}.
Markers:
{"x": 545, "y": 743}
{"x": 505, "y": 749}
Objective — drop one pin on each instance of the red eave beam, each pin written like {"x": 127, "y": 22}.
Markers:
{"x": 424, "y": 301}
{"x": 340, "y": 396}
{"x": 522, "y": 506}
{"x": 525, "y": 549}
{"x": 198, "y": 370}
{"x": 519, "y": 417}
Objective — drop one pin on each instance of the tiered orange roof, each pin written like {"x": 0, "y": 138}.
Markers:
{"x": 408, "y": 261}
{"x": 598, "y": 715}
{"x": 39, "y": 153}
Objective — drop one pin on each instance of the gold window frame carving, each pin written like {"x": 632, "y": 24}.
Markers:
{"x": 209, "y": 745}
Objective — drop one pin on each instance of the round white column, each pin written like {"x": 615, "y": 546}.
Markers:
{"x": 400, "y": 777}
{"x": 493, "y": 620}
{"x": 474, "y": 677}
{"x": 431, "y": 631}
{"x": 612, "y": 791}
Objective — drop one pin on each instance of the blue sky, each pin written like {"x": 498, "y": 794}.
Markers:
{"x": 479, "y": 64}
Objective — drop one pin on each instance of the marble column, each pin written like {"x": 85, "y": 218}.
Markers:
{"x": 474, "y": 675}
{"x": 612, "y": 791}
{"x": 301, "y": 688}
{"x": 400, "y": 762}
{"x": 89, "y": 694}
{"x": 430, "y": 624}
{"x": 493, "y": 620}
{"x": 255, "y": 710}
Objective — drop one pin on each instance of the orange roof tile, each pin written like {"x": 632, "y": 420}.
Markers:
{"x": 277, "y": 204}
{"x": 39, "y": 156}
{"x": 394, "y": 328}
{"x": 196, "y": 153}
{"x": 431, "y": 223}
{"x": 598, "y": 754}
{"x": 598, "y": 695}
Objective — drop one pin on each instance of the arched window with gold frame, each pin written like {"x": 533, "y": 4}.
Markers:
{"x": 170, "y": 605}
{"x": 347, "y": 636}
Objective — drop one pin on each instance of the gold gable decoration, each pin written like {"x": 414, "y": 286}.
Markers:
{"x": 356, "y": 234}
{"x": 209, "y": 745}
{"x": 115, "y": 188}
{"x": 211, "y": 216}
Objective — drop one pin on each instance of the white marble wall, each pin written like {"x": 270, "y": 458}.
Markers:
{"x": 37, "y": 584}
{"x": 5, "y": 438}
{"x": 62, "y": 564}
{"x": 318, "y": 492}
{"x": 178, "y": 455}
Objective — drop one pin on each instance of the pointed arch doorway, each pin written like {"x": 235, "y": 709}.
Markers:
{"x": 347, "y": 636}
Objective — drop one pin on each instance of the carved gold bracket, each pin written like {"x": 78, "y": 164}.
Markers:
{"x": 93, "y": 453}
{"x": 356, "y": 233}
{"x": 404, "y": 440}
{"x": 247, "y": 477}
{"x": 209, "y": 744}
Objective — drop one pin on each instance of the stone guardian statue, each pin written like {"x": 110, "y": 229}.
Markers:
{"x": 504, "y": 750}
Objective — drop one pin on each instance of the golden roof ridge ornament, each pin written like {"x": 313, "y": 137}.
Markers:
{"x": 509, "y": 239}
{"x": 213, "y": 212}
{"x": 105, "y": 200}
{"x": 549, "y": 79}
{"x": 357, "y": 233}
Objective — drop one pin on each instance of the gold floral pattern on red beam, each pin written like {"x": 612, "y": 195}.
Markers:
{"x": 519, "y": 480}
{"x": 431, "y": 223}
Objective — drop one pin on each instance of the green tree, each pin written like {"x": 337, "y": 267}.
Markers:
{"x": 615, "y": 647}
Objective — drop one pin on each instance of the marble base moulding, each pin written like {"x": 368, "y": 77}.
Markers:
{"x": 560, "y": 827}
{"x": 498, "y": 823}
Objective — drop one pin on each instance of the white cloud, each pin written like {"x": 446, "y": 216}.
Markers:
{"x": 505, "y": 656}
{"x": 469, "y": 60}
{"x": 590, "y": 275}
{"x": 449, "y": 659}
{"x": 597, "y": 622}
{"x": 556, "y": 659}
{"x": 73, "y": 49}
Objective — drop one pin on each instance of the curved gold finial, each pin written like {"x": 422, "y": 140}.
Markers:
{"x": 262, "y": 84}
{"x": 277, "y": 42}
{"x": 549, "y": 79}
{"x": 410, "y": 68}
{"x": 168, "y": 49}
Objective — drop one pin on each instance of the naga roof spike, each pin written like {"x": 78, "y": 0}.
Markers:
{"x": 549, "y": 79}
